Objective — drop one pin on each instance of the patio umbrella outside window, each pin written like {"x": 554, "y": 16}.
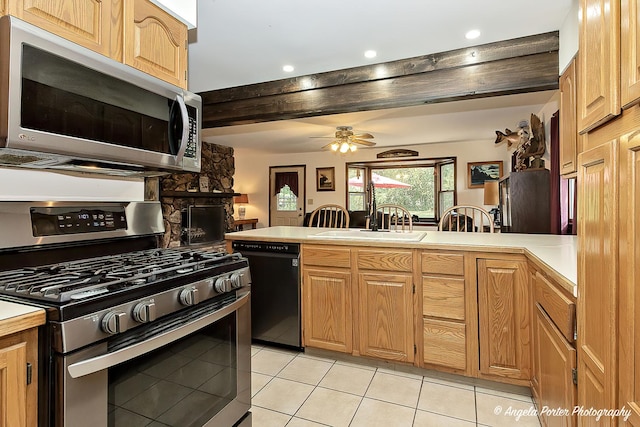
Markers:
{"x": 379, "y": 181}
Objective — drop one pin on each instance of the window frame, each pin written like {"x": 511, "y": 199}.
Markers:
{"x": 436, "y": 162}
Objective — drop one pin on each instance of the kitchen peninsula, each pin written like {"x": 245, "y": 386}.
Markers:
{"x": 480, "y": 305}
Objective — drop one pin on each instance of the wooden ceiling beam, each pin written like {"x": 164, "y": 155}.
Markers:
{"x": 526, "y": 64}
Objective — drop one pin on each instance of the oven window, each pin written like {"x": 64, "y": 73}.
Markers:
{"x": 183, "y": 384}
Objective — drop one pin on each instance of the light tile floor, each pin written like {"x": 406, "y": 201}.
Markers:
{"x": 304, "y": 390}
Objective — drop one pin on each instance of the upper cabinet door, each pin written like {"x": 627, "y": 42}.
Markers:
{"x": 155, "y": 42}
{"x": 568, "y": 126}
{"x": 629, "y": 53}
{"x": 598, "y": 95}
{"x": 94, "y": 24}
{"x": 3, "y": 7}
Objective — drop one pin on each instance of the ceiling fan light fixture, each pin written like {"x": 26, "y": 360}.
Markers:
{"x": 344, "y": 147}
{"x": 352, "y": 147}
{"x": 335, "y": 146}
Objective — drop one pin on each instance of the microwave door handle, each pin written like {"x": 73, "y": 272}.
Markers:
{"x": 185, "y": 128}
{"x": 105, "y": 361}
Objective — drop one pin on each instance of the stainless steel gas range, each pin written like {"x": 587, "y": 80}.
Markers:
{"x": 135, "y": 335}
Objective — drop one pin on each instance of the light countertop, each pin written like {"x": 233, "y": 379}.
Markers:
{"x": 558, "y": 253}
{"x": 16, "y": 317}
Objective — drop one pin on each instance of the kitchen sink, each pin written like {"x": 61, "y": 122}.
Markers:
{"x": 403, "y": 236}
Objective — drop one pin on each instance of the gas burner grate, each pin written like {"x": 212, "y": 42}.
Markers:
{"x": 95, "y": 276}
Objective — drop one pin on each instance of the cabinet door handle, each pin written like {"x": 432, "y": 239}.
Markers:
{"x": 29, "y": 373}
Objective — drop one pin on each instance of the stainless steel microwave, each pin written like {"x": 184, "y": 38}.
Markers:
{"x": 65, "y": 107}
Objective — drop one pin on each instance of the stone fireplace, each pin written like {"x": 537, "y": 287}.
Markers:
{"x": 178, "y": 191}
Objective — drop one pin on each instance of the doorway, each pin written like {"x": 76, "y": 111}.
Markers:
{"x": 286, "y": 195}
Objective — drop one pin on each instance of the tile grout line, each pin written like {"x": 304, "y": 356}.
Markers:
{"x": 415, "y": 412}
{"x": 363, "y": 396}
{"x": 475, "y": 404}
{"x": 315, "y": 387}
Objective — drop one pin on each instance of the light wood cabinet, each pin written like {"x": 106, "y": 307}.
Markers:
{"x": 155, "y": 42}
{"x": 18, "y": 400}
{"x": 629, "y": 264}
{"x": 554, "y": 353}
{"x": 359, "y": 301}
{"x": 385, "y": 299}
{"x": 599, "y": 62}
{"x": 3, "y": 7}
{"x": 94, "y": 24}
{"x": 629, "y": 53}
{"x": 597, "y": 273}
{"x": 568, "y": 117}
{"x": 386, "y": 316}
{"x": 556, "y": 360}
{"x": 444, "y": 313}
{"x": 504, "y": 319}
{"x": 328, "y": 310}
{"x": 327, "y": 298}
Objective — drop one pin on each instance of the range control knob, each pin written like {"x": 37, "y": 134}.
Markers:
{"x": 235, "y": 280}
{"x": 115, "y": 322}
{"x": 144, "y": 312}
{"x": 222, "y": 285}
{"x": 189, "y": 296}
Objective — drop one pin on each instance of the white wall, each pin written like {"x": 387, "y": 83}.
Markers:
{"x": 252, "y": 171}
{"x": 27, "y": 185}
{"x": 568, "y": 37}
{"x": 545, "y": 115}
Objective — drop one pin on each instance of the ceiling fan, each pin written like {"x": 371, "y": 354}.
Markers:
{"x": 346, "y": 140}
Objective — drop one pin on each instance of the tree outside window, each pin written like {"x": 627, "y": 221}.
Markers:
{"x": 425, "y": 187}
{"x": 287, "y": 201}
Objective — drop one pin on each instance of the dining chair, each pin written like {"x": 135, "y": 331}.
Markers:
{"x": 329, "y": 215}
{"x": 465, "y": 218}
{"x": 393, "y": 217}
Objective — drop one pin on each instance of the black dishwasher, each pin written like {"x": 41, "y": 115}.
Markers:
{"x": 275, "y": 291}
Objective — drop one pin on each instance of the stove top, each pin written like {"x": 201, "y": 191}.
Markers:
{"x": 87, "y": 279}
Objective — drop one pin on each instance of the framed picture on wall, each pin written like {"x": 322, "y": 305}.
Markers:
{"x": 479, "y": 172}
{"x": 326, "y": 179}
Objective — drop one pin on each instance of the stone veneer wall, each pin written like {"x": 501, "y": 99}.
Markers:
{"x": 218, "y": 165}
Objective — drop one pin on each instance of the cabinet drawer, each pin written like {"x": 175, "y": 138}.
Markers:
{"x": 443, "y": 263}
{"x": 326, "y": 256}
{"x": 444, "y": 343}
{"x": 560, "y": 308}
{"x": 443, "y": 297}
{"x": 394, "y": 260}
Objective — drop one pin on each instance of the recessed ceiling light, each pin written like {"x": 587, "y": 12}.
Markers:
{"x": 287, "y": 68}
{"x": 473, "y": 34}
{"x": 370, "y": 54}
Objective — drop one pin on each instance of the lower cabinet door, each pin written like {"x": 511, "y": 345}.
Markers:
{"x": 556, "y": 360}
{"x": 13, "y": 385}
{"x": 505, "y": 316}
{"x": 386, "y": 316}
{"x": 327, "y": 315}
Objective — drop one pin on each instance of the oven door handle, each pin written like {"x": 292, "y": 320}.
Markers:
{"x": 105, "y": 361}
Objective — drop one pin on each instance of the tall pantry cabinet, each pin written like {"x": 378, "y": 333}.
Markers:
{"x": 608, "y": 255}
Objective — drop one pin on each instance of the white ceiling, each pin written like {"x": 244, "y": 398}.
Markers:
{"x": 240, "y": 42}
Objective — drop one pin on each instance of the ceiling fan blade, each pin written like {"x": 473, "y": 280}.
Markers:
{"x": 363, "y": 142}
{"x": 364, "y": 135}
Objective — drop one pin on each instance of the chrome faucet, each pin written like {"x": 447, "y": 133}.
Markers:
{"x": 373, "y": 216}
